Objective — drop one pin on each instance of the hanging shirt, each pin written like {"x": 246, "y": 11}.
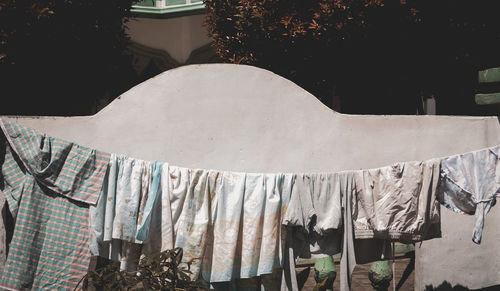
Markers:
{"x": 470, "y": 183}
{"x": 49, "y": 184}
{"x": 397, "y": 202}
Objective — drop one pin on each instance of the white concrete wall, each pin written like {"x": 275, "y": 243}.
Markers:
{"x": 242, "y": 118}
{"x": 178, "y": 36}
{"x": 455, "y": 258}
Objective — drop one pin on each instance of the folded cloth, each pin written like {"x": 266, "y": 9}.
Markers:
{"x": 470, "y": 183}
{"x": 49, "y": 184}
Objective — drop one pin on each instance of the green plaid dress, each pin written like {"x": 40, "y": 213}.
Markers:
{"x": 48, "y": 184}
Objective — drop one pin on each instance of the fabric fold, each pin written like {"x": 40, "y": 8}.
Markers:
{"x": 397, "y": 202}
{"x": 120, "y": 222}
{"x": 246, "y": 236}
{"x": 49, "y": 184}
{"x": 470, "y": 183}
{"x": 67, "y": 175}
{"x": 356, "y": 251}
{"x": 185, "y": 213}
{"x": 231, "y": 225}
{"x": 149, "y": 200}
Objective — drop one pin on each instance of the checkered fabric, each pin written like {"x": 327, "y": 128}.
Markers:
{"x": 48, "y": 183}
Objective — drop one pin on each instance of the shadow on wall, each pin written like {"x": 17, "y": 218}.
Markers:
{"x": 446, "y": 286}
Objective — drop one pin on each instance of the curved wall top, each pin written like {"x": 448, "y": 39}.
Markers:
{"x": 241, "y": 118}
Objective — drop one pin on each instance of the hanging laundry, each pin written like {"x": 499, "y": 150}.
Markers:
{"x": 3, "y": 230}
{"x": 392, "y": 203}
{"x": 120, "y": 220}
{"x": 397, "y": 202}
{"x": 49, "y": 184}
{"x": 315, "y": 203}
{"x": 244, "y": 241}
{"x": 231, "y": 225}
{"x": 133, "y": 185}
{"x": 313, "y": 220}
{"x": 147, "y": 203}
{"x": 186, "y": 206}
{"x": 356, "y": 251}
{"x": 470, "y": 183}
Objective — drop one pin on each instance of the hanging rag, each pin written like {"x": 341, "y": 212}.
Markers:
{"x": 470, "y": 183}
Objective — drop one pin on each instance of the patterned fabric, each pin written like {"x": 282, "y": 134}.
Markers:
{"x": 228, "y": 224}
{"x": 187, "y": 196}
{"x": 245, "y": 240}
{"x": 145, "y": 212}
{"x": 124, "y": 209}
{"x": 49, "y": 184}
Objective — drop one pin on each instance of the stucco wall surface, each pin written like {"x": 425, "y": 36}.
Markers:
{"x": 179, "y": 35}
{"x": 241, "y": 118}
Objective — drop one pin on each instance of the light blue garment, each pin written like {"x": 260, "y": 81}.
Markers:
{"x": 108, "y": 196}
{"x": 123, "y": 214}
{"x": 469, "y": 184}
{"x": 144, "y": 223}
{"x": 134, "y": 178}
{"x": 102, "y": 214}
{"x": 245, "y": 240}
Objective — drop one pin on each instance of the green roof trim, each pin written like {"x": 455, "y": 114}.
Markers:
{"x": 489, "y": 76}
{"x": 194, "y": 8}
{"x": 487, "y": 99}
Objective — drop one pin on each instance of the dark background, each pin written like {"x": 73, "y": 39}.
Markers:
{"x": 371, "y": 57}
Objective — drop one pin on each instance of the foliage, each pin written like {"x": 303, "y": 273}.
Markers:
{"x": 380, "y": 56}
{"x": 241, "y": 27}
{"x": 158, "y": 272}
{"x": 59, "y": 56}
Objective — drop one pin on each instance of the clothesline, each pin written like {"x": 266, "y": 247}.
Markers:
{"x": 229, "y": 224}
{"x": 311, "y": 172}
